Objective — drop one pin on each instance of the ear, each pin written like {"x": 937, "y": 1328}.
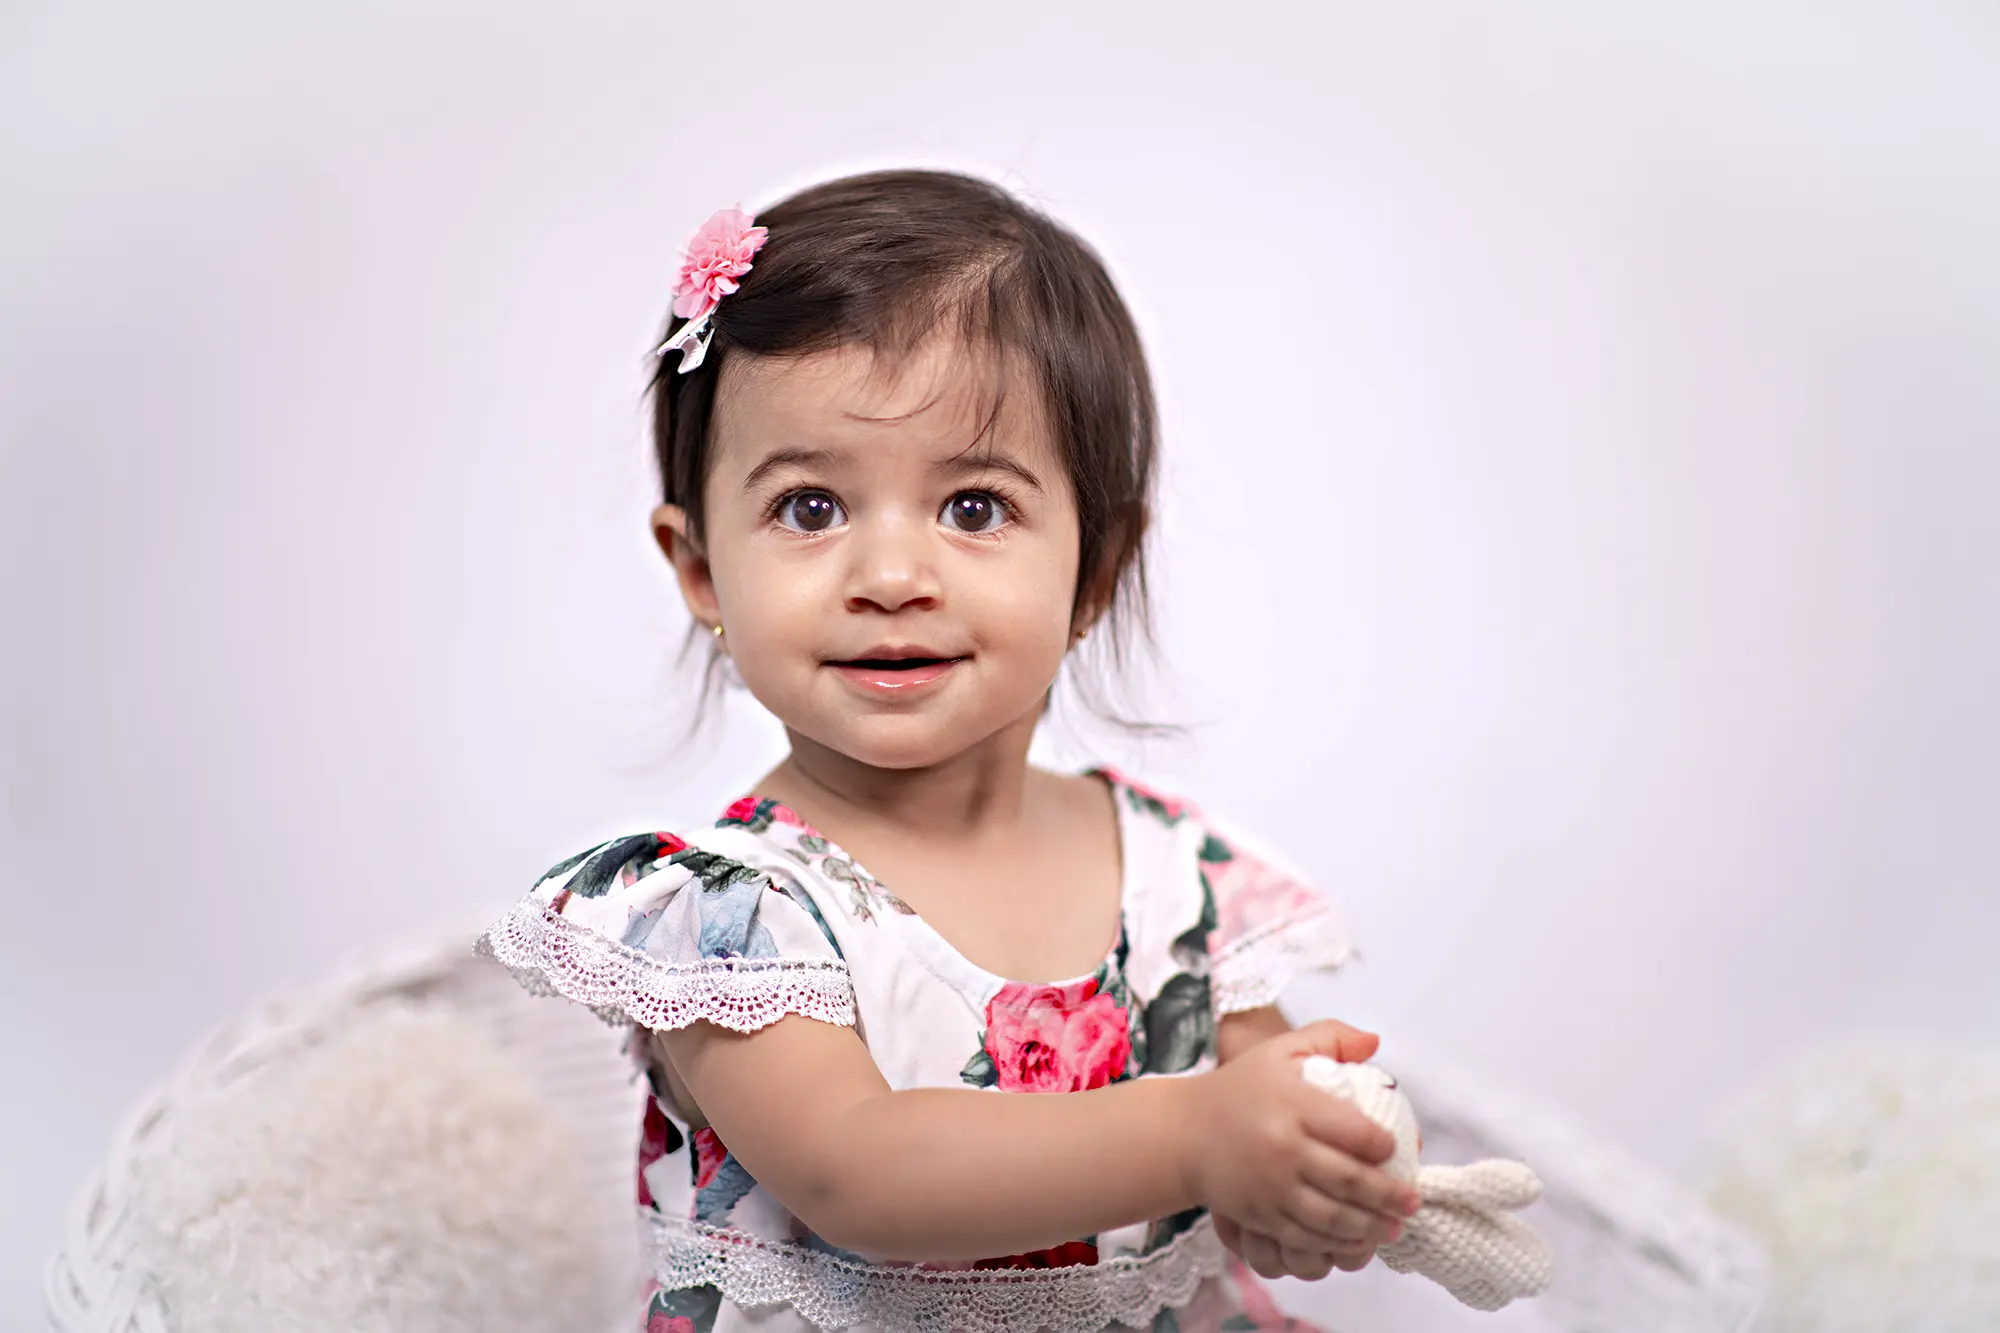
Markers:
{"x": 670, "y": 530}
{"x": 1081, "y": 623}
{"x": 1091, "y": 603}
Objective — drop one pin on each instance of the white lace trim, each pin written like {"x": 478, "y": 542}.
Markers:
{"x": 1254, "y": 971}
{"x": 832, "y": 1292}
{"x": 552, "y": 955}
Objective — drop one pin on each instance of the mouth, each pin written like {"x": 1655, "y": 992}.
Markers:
{"x": 890, "y": 669}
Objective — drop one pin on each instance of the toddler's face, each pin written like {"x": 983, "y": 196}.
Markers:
{"x": 892, "y": 585}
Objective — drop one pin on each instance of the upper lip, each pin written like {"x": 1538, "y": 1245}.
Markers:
{"x": 897, "y": 652}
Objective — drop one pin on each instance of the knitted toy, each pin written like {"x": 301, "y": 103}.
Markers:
{"x": 1465, "y": 1237}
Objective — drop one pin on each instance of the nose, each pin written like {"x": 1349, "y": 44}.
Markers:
{"x": 891, "y": 566}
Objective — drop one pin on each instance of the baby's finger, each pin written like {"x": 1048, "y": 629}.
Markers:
{"x": 1263, "y": 1255}
{"x": 1289, "y": 1235}
{"x": 1334, "y": 1220}
{"x": 1229, "y": 1233}
{"x": 1339, "y": 1123}
{"x": 1312, "y": 1265}
{"x": 1343, "y": 1042}
{"x": 1340, "y": 1177}
{"x": 1353, "y": 1261}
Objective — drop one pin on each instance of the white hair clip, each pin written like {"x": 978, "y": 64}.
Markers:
{"x": 718, "y": 255}
{"x": 690, "y": 340}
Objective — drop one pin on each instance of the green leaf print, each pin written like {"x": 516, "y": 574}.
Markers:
{"x": 570, "y": 863}
{"x": 1163, "y": 1231}
{"x": 1180, "y": 1025}
{"x": 1215, "y": 851}
{"x": 979, "y": 1070}
{"x": 1190, "y": 948}
{"x": 1149, "y": 804}
{"x": 716, "y": 873}
{"x": 1111, "y": 982}
{"x": 859, "y": 886}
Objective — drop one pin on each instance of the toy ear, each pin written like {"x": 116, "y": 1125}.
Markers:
{"x": 1491, "y": 1184}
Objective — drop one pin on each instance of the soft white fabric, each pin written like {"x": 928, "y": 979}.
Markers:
{"x": 402, "y": 1176}
{"x": 1465, "y": 1237}
{"x": 1870, "y": 1170}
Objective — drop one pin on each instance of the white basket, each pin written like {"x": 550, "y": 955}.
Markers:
{"x": 1635, "y": 1254}
{"x": 99, "y": 1280}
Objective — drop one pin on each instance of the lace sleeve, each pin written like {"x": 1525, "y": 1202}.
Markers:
{"x": 650, "y": 930}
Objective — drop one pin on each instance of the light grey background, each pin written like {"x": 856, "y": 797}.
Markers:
{"x": 1577, "y": 542}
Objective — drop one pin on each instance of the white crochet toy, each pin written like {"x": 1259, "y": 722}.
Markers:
{"x": 1465, "y": 1237}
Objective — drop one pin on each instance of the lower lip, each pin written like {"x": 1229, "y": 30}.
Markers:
{"x": 878, "y": 680}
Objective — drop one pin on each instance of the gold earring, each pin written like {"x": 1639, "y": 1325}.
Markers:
{"x": 716, "y": 630}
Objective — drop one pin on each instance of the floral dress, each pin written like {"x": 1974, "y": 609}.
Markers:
{"x": 761, "y": 916}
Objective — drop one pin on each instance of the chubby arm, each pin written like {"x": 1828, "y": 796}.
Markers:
{"x": 1238, "y": 1032}
{"x": 957, "y": 1174}
{"x": 802, "y": 1105}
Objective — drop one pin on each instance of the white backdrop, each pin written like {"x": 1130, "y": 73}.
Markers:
{"x": 1582, "y": 428}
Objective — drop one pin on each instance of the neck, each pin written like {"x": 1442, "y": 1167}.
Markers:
{"x": 969, "y": 793}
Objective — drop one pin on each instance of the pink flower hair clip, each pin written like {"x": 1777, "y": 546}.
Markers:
{"x": 718, "y": 255}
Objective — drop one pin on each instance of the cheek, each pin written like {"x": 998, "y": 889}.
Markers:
{"x": 764, "y": 601}
{"x": 1028, "y": 610}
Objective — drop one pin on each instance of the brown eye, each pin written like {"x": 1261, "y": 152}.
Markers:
{"x": 811, "y": 511}
{"x": 974, "y": 511}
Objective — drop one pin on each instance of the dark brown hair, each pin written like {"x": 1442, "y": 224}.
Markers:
{"x": 884, "y": 259}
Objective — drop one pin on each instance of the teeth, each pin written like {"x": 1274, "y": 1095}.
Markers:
{"x": 897, "y": 663}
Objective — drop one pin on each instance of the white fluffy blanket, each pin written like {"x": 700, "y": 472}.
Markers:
{"x": 401, "y": 1176}
{"x": 1871, "y": 1172}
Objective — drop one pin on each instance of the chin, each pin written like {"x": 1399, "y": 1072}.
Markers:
{"x": 897, "y": 747}
{"x": 892, "y": 742}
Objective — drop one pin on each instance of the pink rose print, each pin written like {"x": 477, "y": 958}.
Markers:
{"x": 653, "y": 1135}
{"x": 760, "y": 815}
{"x": 1250, "y": 895}
{"x": 708, "y": 1155}
{"x": 718, "y": 255}
{"x": 670, "y": 1323}
{"x": 1056, "y": 1038}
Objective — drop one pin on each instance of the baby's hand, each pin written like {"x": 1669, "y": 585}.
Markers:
{"x": 1285, "y": 1162}
{"x": 1267, "y": 1258}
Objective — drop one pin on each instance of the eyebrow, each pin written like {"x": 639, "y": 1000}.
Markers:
{"x": 963, "y": 463}
{"x": 777, "y": 458}
{"x": 812, "y": 458}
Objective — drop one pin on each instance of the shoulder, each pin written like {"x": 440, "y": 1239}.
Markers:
{"x": 1213, "y": 839}
{"x": 665, "y": 928}
{"x": 1265, "y": 920}
{"x": 1134, "y": 796}
{"x": 618, "y": 864}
